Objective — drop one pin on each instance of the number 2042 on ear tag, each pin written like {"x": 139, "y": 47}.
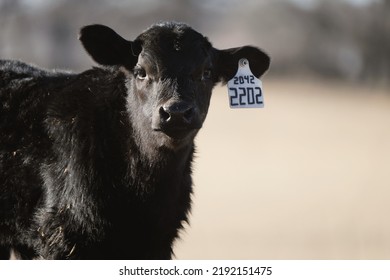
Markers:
{"x": 245, "y": 90}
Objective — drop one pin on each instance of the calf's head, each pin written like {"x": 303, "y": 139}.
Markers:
{"x": 171, "y": 70}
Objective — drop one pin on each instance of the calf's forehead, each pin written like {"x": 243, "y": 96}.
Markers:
{"x": 175, "y": 48}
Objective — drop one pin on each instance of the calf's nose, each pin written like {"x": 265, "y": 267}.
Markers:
{"x": 177, "y": 112}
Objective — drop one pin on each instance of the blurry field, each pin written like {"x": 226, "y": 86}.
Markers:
{"x": 307, "y": 177}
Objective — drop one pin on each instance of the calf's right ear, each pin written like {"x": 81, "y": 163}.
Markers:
{"x": 106, "y": 47}
{"x": 227, "y": 62}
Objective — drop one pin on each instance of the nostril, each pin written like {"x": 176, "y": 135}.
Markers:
{"x": 164, "y": 114}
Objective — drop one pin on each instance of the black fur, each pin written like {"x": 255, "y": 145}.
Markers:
{"x": 97, "y": 165}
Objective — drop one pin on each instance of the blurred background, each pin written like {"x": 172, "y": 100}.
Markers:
{"x": 308, "y": 176}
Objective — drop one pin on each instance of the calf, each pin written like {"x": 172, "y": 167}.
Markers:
{"x": 97, "y": 165}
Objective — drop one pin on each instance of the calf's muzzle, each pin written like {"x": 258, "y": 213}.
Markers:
{"x": 177, "y": 119}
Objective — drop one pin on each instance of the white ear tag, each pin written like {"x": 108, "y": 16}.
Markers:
{"x": 245, "y": 90}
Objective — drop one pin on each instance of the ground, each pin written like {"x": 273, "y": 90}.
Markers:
{"x": 307, "y": 177}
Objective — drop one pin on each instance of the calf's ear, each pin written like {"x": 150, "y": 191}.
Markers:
{"x": 227, "y": 62}
{"x": 106, "y": 47}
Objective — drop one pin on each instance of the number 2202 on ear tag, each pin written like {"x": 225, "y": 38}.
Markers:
{"x": 245, "y": 90}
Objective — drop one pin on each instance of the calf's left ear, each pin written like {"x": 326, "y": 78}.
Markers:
{"x": 227, "y": 62}
{"x": 106, "y": 47}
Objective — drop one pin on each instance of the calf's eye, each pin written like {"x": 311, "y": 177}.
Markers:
{"x": 206, "y": 74}
{"x": 140, "y": 73}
